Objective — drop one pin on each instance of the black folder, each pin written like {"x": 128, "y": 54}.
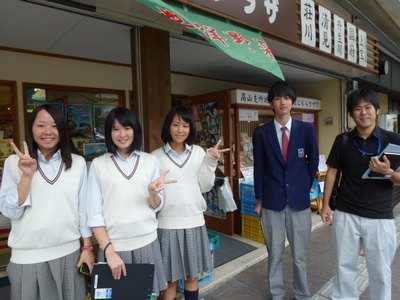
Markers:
{"x": 137, "y": 285}
{"x": 392, "y": 152}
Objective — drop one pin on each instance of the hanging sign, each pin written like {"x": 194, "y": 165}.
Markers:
{"x": 308, "y": 22}
{"x": 362, "y": 48}
{"x": 351, "y": 43}
{"x": 238, "y": 42}
{"x": 325, "y": 31}
{"x": 339, "y": 36}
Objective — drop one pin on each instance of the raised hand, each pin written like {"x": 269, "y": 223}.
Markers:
{"x": 159, "y": 184}
{"x": 215, "y": 152}
{"x": 27, "y": 164}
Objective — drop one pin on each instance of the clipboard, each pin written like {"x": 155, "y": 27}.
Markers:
{"x": 137, "y": 285}
{"x": 393, "y": 154}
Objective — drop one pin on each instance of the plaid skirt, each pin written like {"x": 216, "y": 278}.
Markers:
{"x": 185, "y": 252}
{"x": 149, "y": 254}
{"x": 57, "y": 279}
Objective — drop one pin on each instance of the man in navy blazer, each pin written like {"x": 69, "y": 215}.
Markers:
{"x": 283, "y": 188}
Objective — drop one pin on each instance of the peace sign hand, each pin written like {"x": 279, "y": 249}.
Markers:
{"x": 159, "y": 184}
{"x": 26, "y": 163}
{"x": 215, "y": 152}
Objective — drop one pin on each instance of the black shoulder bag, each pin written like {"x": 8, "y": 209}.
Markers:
{"x": 332, "y": 199}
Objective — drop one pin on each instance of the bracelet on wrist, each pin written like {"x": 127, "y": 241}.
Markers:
{"x": 87, "y": 248}
{"x": 105, "y": 248}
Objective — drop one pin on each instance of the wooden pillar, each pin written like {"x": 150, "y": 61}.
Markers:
{"x": 150, "y": 51}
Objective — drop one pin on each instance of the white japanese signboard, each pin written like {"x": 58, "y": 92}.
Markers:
{"x": 250, "y": 97}
{"x": 307, "y": 103}
{"x": 308, "y": 118}
{"x": 339, "y": 36}
{"x": 351, "y": 43}
{"x": 325, "y": 32}
{"x": 248, "y": 115}
{"x": 362, "y": 48}
{"x": 261, "y": 98}
{"x": 307, "y": 13}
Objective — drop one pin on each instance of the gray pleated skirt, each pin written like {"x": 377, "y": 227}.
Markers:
{"x": 57, "y": 279}
{"x": 149, "y": 254}
{"x": 185, "y": 252}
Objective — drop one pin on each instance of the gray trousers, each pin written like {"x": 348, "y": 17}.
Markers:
{"x": 297, "y": 225}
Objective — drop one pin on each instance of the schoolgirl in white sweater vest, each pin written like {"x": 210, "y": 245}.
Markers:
{"x": 44, "y": 193}
{"x": 124, "y": 194}
{"x": 182, "y": 232}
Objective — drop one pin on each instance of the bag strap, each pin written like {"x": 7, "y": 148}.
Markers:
{"x": 345, "y": 137}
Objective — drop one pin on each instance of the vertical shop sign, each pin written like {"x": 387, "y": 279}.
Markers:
{"x": 351, "y": 43}
{"x": 338, "y": 36}
{"x": 308, "y": 22}
{"x": 325, "y": 31}
{"x": 238, "y": 42}
{"x": 362, "y": 48}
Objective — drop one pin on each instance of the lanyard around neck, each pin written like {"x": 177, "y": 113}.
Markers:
{"x": 369, "y": 153}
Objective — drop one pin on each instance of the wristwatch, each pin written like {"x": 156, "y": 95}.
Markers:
{"x": 388, "y": 176}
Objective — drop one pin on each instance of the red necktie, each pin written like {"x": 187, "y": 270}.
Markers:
{"x": 285, "y": 144}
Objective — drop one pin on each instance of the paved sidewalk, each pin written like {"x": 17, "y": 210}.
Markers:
{"x": 251, "y": 283}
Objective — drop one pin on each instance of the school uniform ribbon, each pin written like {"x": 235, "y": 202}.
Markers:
{"x": 238, "y": 42}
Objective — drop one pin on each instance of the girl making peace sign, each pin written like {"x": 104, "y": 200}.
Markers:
{"x": 182, "y": 231}
{"x": 43, "y": 192}
{"x": 124, "y": 194}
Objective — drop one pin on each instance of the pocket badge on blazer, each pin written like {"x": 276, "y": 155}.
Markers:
{"x": 300, "y": 152}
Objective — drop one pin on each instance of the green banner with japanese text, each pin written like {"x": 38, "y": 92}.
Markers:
{"x": 238, "y": 42}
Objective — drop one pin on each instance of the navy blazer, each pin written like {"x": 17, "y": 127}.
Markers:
{"x": 277, "y": 183}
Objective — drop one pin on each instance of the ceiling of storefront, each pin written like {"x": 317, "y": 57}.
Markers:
{"x": 26, "y": 25}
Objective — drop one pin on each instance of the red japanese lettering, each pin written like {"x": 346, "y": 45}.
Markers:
{"x": 174, "y": 17}
{"x": 239, "y": 39}
{"x": 212, "y": 34}
{"x": 264, "y": 47}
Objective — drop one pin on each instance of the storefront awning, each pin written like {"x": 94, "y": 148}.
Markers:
{"x": 238, "y": 42}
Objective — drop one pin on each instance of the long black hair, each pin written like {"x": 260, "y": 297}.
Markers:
{"x": 126, "y": 118}
{"x": 66, "y": 145}
{"x": 186, "y": 115}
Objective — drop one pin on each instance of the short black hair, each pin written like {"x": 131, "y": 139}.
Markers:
{"x": 66, "y": 145}
{"x": 355, "y": 97}
{"x": 186, "y": 115}
{"x": 127, "y": 118}
{"x": 282, "y": 88}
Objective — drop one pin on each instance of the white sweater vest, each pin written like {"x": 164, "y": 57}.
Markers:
{"x": 49, "y": 228}
{"x": 130, "y": 222}
{"x": 183, "y": 201}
